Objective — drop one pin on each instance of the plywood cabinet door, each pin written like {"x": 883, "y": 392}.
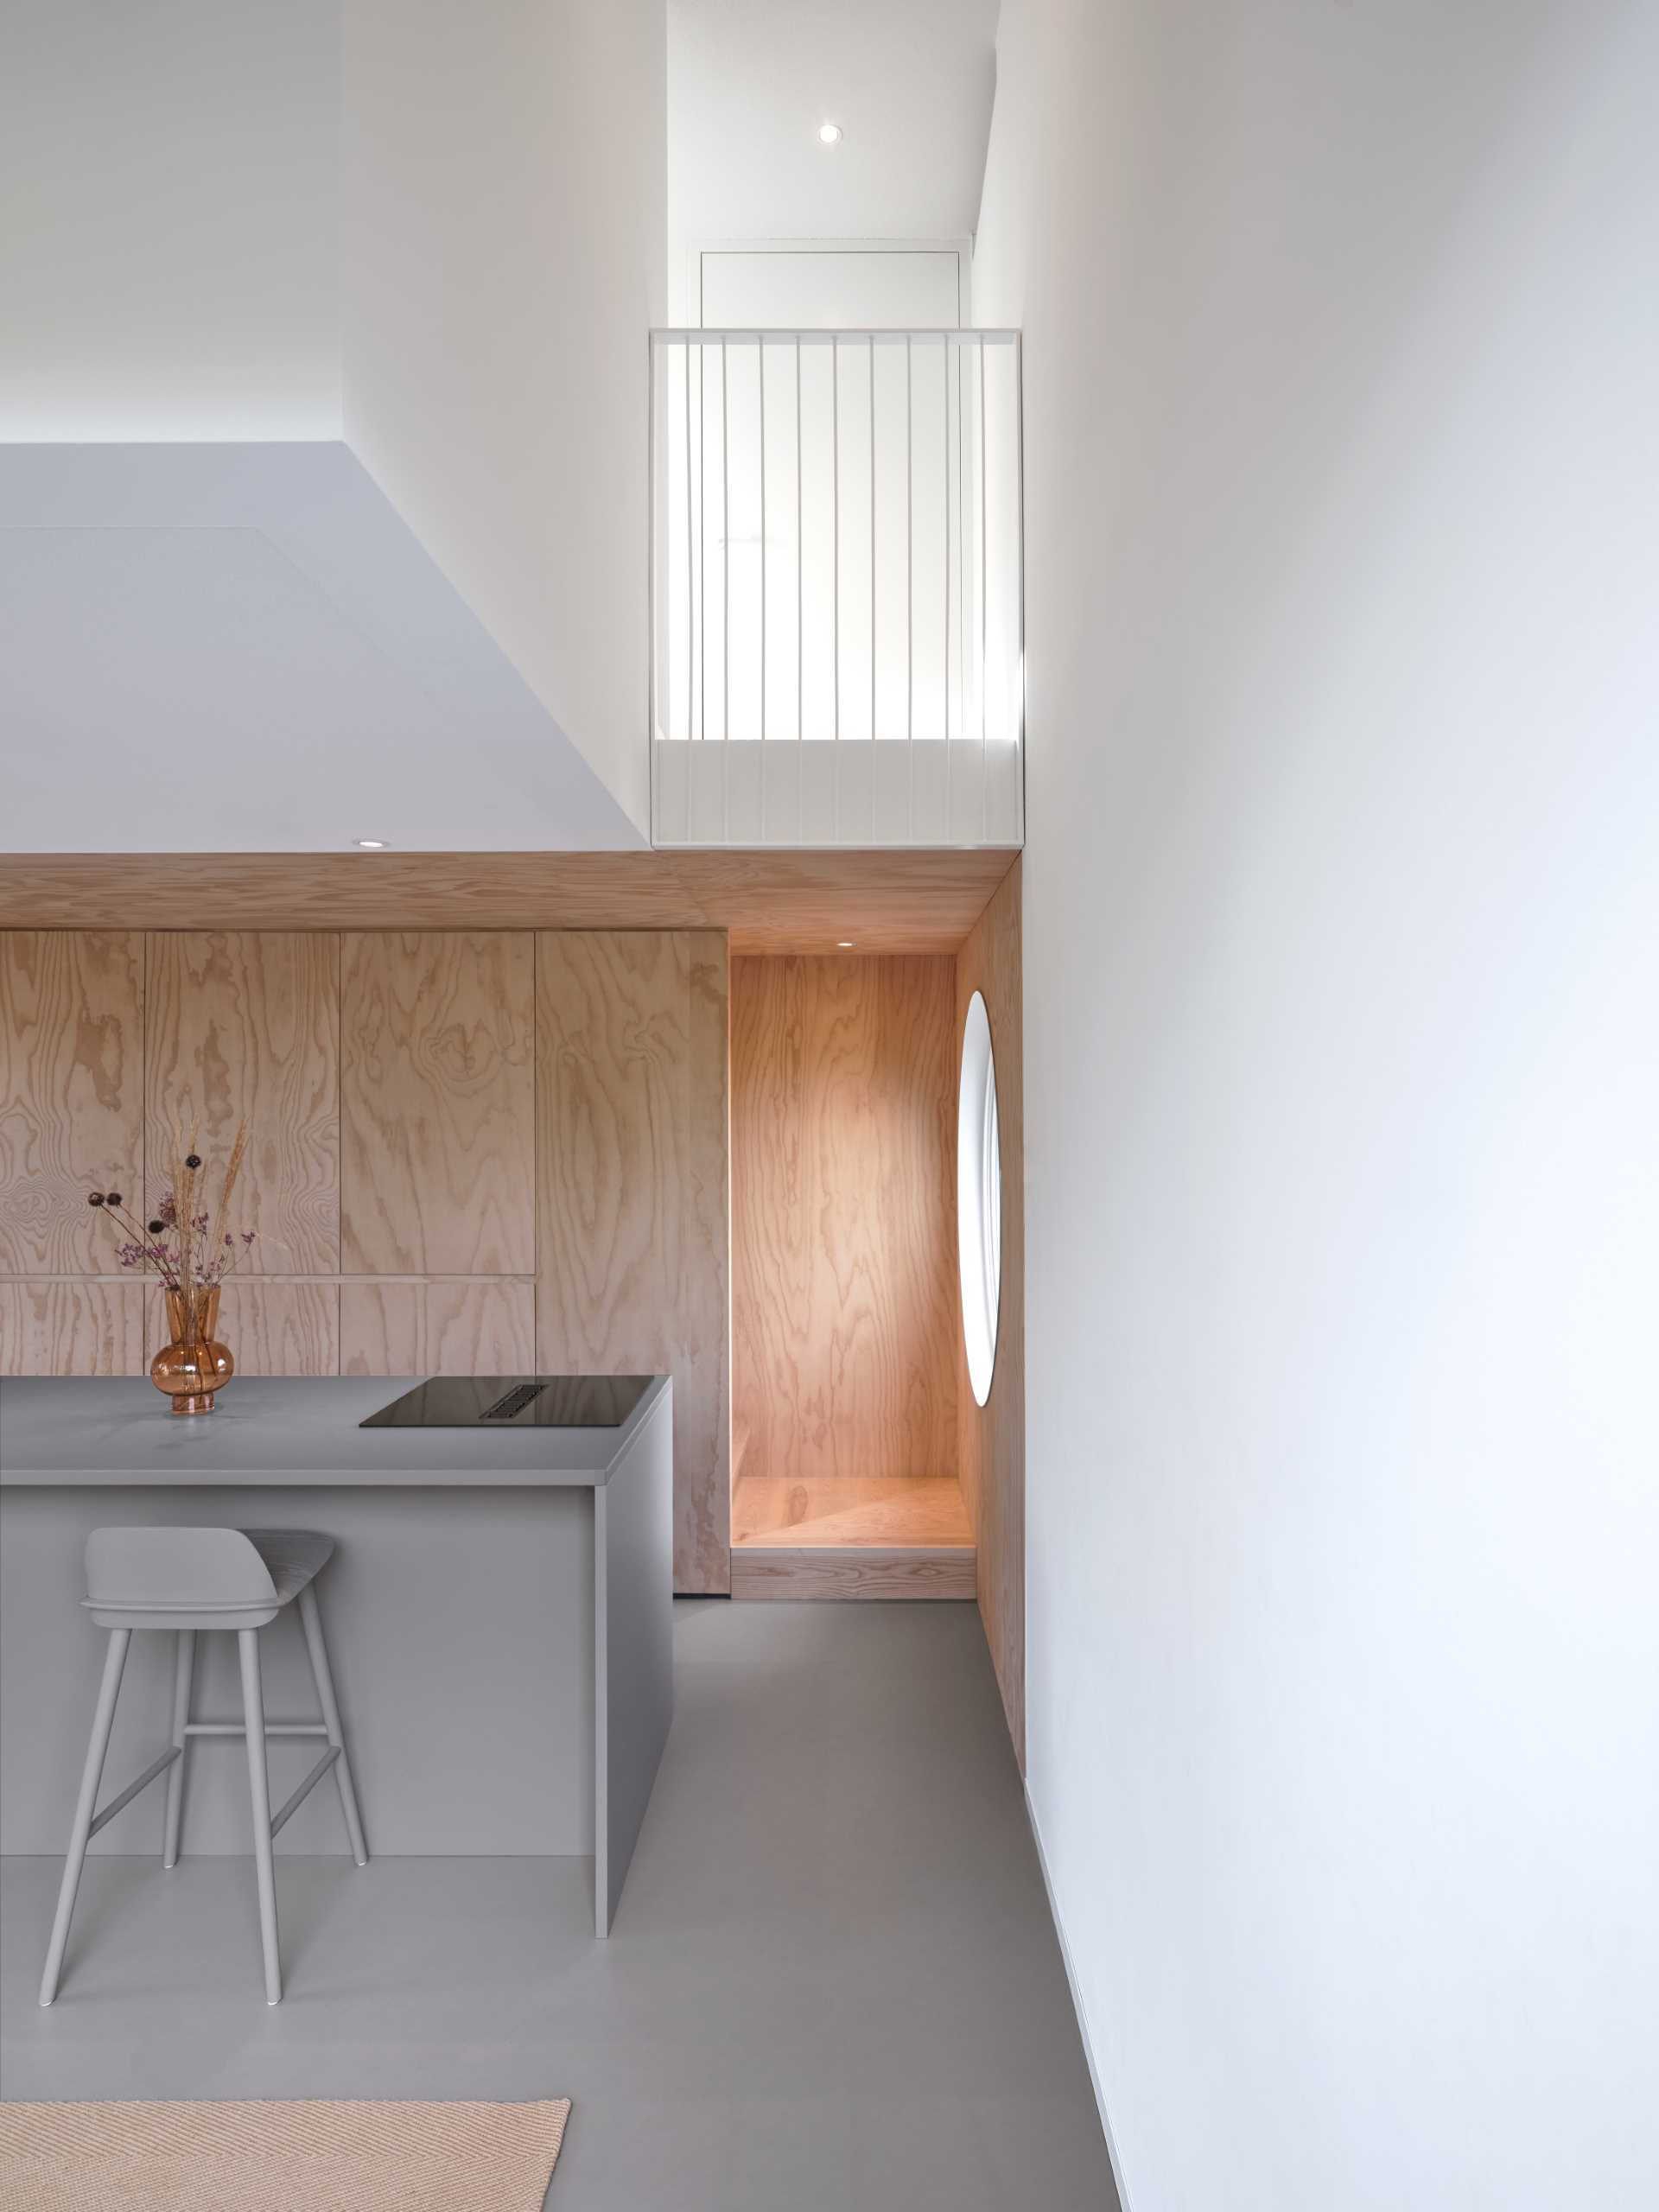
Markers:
{"x": 405, "y": 1327}
{"x": 70, "y": 1094}
{"x": 438, "y": 1103}
{"x": 245, "y": 1023}
{"x": 277, "y": 1328}
{"x": 630, "y": 1137}
{"x": 92, "y": 1326}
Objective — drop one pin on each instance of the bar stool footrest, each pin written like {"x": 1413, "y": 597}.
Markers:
{"x": 240, "y": 1728}
{"x": 306, "y": 1787}
{"x": 157, "y": 1767}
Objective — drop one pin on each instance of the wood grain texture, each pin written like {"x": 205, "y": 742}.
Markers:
{"x": 438, "y": 1328}
{"x": 631, "y": 1267}
{"x": 633, "y": 1244}
{"x": 887, "y": 902}
{"x": 70, "y": 1094}
{"x": 247, "y": 1023}
{"x": 899, "y": 901}
{"x": 93, "y": 1325}
{"x": 839, "y": 1576}
{"x": 993, "y": 1437}
{"x": 906, "y": 1510}
{"x": 843, "y": 1218}
{"x": 438, "y": 1103}
{"x": 276, "y": 1328}
{"x": 702, "y": 1378}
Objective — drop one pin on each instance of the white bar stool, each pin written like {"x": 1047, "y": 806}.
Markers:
{"x": 185, "y": 1579}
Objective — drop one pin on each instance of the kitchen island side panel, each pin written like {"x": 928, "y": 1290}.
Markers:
{"x": 460, "y": 1626}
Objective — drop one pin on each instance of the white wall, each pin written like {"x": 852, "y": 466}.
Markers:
{"x": 1341, "y": 929}
{"x": 806, "y": 287}
{"x": 503, "y": 257}
{"x": 168, "y": 182}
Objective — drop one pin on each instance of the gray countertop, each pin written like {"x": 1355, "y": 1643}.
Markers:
{"x": 282, "y": 1430}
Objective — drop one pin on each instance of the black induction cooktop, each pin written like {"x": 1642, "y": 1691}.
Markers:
{"x": 514, "y": 1402}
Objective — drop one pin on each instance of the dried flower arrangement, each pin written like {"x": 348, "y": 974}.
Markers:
{"x": 191, "y": 1251}
{"x": 188, "y": 1249}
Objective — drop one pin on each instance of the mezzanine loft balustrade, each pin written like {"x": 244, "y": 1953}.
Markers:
{"x": 836, "y": 587}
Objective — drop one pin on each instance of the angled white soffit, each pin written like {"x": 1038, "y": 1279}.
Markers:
{"x": 242, "y": 648}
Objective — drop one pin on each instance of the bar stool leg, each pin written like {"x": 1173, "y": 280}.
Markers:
{"x": 253, "y": 1714}
{"x": 184, "y": 1668}
{"x": 311, "y": 1621}
{"x": 92, "y": 1774}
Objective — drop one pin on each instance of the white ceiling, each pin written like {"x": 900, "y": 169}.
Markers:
{"x": 242, "y": 648}
{"x": 749, "y": 81}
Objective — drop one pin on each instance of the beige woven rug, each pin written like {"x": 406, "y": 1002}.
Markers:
{"x": 278, "y": 2158}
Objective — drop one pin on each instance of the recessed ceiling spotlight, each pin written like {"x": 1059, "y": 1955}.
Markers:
{"x": 845, "y": 945}
{"x": 370, "y": 844}
{"x": 828, "y": 134}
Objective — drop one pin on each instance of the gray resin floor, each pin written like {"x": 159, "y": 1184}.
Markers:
{"x": 833, "y": 1985}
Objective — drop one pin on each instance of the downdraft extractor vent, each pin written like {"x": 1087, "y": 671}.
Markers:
{"x": 513, "y": 1402}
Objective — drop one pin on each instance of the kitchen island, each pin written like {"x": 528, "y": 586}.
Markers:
{"x": 498, "y": 1612}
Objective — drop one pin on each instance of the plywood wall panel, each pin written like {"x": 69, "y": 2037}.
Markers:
{"x": 614, "y": 1042}
{"x": 70, "y": 1094}
{"x": 843, "y": 1211}
{"x": 630, "y": 1277}
{"x": 247, "y": 1023}
{"x": 438, "y": 1328}
{"x": 382, "y": 1328}
{"x": 281, "y": 1328}
{"x": 92, "y": 1326}
{"x": 703, "y": 1386}
{"x": 437, "y": 1103}
{"x": 993, "y": 1437}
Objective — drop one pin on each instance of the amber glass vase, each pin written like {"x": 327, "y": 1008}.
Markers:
{"x": 195, "y": 1364}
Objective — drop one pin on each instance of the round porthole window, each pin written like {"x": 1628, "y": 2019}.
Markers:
{"x": 979, "y": 1199}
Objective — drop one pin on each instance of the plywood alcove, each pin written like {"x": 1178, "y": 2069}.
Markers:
{"x": 845, "y": 1430}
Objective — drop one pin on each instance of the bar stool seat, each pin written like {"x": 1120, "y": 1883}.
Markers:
{"x": 195, "y": 1579}
{"x": 188, "y": 1580}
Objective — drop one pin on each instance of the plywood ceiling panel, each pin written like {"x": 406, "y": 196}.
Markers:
{"x": 886, "y": 901}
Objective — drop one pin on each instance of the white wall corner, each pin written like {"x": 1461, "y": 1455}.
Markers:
{"x": 503, "y": 261}
{"x": 1076, "y": 2003}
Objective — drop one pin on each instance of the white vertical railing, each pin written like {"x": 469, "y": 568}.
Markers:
{"x": 836, "y": 587}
